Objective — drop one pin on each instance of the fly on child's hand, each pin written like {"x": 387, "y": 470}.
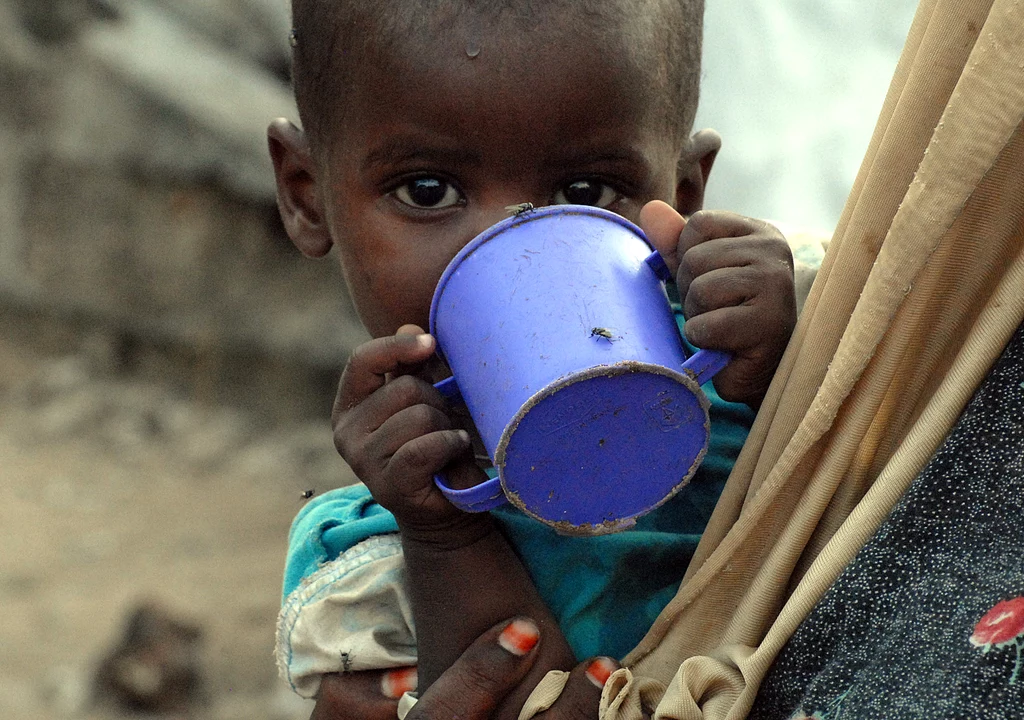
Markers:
{"x": 735, "y": 279}
{"x": 392, "y": 428}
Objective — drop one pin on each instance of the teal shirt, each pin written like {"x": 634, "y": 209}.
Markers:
{"x": 605, "y": 591}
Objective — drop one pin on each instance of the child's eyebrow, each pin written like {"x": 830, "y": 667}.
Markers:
{"x": 594, "y": 156}
{"x": 400, "y": 149}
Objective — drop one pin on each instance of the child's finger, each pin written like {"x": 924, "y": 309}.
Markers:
{"x": 368, "y": 366}
{"x": 662, "y": 226}
{"x": 713, "y": 253}
{"x": 734, "y": 329}
{"x": 767, "y": 252}
{"x": 405, "y": 369}
{"x": 713, "y": 224}
{"x": 427, "y": 454}
{"x": 419, "y": 409}
{"x": 723, "y": 288}
{"x": 403, "y": 392}
{"x": 404, "y": 426}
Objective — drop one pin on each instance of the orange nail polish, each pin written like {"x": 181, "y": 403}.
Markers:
{"x": 600, "y": 670}
{"x": 396, "y": 683}
{"x": 519, "y": 637}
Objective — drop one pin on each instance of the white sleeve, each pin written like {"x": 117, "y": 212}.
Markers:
{"x": 351, "y": 614}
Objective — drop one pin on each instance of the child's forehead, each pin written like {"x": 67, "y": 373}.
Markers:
{"x": 337, "y": 41}
{"x": 540, "y": 91}
{"x": 456, "y": 56}
{"x": 507, "y": 36}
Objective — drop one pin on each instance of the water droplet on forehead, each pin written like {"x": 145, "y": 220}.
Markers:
{"x": 472, "y": 48}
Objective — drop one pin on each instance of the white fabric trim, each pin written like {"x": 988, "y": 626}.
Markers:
{"x": 351, "y": 614}
{"x": 406, "y": 703}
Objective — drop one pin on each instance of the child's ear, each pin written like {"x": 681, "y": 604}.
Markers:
{"x": 297, "y": 197}
{"x": 694, "y": 167}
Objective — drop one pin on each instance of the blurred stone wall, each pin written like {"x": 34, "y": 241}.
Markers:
{"x": 137, "y": 215}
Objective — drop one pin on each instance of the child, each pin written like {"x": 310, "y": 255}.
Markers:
{"x": 423, "y": 122}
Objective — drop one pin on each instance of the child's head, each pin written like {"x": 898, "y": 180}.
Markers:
{"x": 424, "y": 120}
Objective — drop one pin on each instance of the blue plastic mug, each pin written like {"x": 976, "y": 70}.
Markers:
{"x": 564, "y": 348}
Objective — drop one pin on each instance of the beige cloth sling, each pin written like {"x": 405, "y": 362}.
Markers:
{"x": 922, "y": 286}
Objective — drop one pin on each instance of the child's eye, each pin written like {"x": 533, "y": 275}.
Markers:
{"x": 428, "y": 193}
{"x": 587, "y": 192}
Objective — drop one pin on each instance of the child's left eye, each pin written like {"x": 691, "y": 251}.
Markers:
{"x": 431, "y": 193}
{"x": 586, "y": 192}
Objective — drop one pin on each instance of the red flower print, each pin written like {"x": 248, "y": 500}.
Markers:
{"x": 1001, "y": 626}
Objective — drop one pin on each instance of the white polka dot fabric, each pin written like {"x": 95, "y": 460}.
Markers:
{"x": 928, "y": 620}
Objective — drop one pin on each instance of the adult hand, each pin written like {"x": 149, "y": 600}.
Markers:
{"x": 474, "y": 687}
{"x": 366, "y": 695}
{"x": 494, "y": 665}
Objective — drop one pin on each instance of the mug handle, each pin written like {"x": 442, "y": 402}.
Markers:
{"x": 705, "y": 364}
{"x": 657, "y": 263}
{"x": 479, "y": 498}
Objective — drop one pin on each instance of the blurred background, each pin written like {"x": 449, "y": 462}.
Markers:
{"x": 167, "y": 360}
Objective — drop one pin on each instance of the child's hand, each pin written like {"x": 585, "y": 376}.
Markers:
{"x": 392, "y": 428}
{"x": 735, "y": 278}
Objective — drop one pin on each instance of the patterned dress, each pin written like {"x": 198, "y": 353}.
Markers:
{"x": 928, "y": 620}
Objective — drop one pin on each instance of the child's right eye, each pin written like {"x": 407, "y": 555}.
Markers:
{"x": 431, "y": 193}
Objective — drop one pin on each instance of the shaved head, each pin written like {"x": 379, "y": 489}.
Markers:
{"x": 332, "y": 37}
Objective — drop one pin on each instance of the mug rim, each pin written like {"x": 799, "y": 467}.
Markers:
{"x": 513, "y": 222}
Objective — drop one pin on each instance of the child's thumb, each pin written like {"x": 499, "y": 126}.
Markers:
{"x": 662, "y": 225}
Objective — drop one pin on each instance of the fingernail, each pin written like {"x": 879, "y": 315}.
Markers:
{"x": 600, "y": 670}
{"x": 463, "y": 436}
{"x": 519, "y": 637}
{"x": 424, "y": 340}
{"x": 397, "y": 683}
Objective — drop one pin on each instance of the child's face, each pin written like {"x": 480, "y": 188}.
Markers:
{"x": 432, "y": 145}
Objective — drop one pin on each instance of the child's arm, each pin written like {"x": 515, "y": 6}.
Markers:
{"x": 735, "y": 278}
{"x": 463, "y": 577}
